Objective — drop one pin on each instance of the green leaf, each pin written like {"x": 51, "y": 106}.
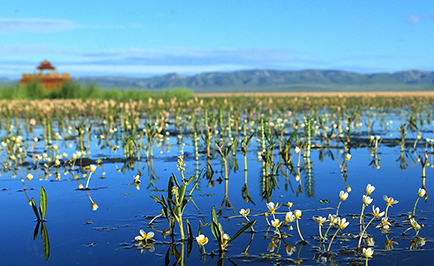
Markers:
{"x": 157, "y": 200}
{"x": 43, "y": 203}
{"x": 35, "y": 233}
{"x": 216, "y": 232}
{"x": 35, "y": 209}
{"x": 167, "y": 257}
{"x": 189, "y": 230}
{"x": 190, "y": 179}
{"x": 45, "y": 241}
{"x": 214, "y": 215}
{"x": 181, "y": 193}
{"x": 241, "y": 231}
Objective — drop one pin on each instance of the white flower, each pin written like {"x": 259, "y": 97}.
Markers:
{"x": 389, "y": 200}
{"x": 416, "y": 226}
{"x": 272, "y": 207}
{"x": 276, "y": 223}
{"x": 376, "y": 212}
{"x": 91, "y": 168}
{"x": 297, "y": 214}
{"x": 144, "y": 236}
{"x": 384, "y": 223}
{"x": 369, "y": 189}
{"x": 343, "y": 195}
{"x": 367, "y": 200}
{"x": 202, "y": 240}
{"x": 320, "y": 220}
{"x": 421, "y": 193}
{"x": 368, "y": 252}
{"x": 29, "y": 176}
{"x": 244, "y": 212}
{"x": 342, "y": 223}
{"x": 290, "y": 217}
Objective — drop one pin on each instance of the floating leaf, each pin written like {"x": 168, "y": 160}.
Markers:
{"x": 43, "y": 203}
{"x": 35, "y": 209}
{"x": 35, "y": 233}
{"x": 45, "y": 241}
{"x": 189, "y": 230}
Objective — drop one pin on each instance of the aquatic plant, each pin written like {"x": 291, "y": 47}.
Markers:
{"x": 222, "y": 238}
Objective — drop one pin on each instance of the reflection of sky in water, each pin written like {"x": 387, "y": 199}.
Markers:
{"x": 79, "y": 235}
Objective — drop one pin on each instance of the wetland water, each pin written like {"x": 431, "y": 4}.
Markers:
{"x": 98, "y": 225}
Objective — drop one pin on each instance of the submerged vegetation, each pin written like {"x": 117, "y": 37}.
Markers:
{"x": 280, "y": 134}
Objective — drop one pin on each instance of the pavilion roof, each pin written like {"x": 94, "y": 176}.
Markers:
{"x": 45, "y": 65}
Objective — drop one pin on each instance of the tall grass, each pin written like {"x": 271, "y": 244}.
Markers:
{"x": 70, "y": 90}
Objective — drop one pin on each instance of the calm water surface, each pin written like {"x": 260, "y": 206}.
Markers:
{"x": 79, "y": 235}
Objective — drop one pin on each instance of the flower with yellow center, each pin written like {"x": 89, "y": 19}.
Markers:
{"x": 29, "y": 176}
{"x": 297, "y": 214}
{"x": 389, "y": 244}
{"x": 244, "y": 212}
{"x": 202, "y": 240}
{"x": 290, "y": 204}
{"x": 342, "y": 223}
{"x": 91, "y": 168}
{"x": 367, "y": 200}
{"x": 226, "y": 238}
{"x": 289, "y": 217}
{"x": 389, "y": 200}
{"x": 272, "y": 246}
{"x": 290, "y": 249}
{"x": 421, "y": 193}
{"x": 417, "y": 242}
{"x": 384, "y": 224}
{"x": 368, "y": 252}
{"x": 320, "y": 220}
{"x": 369, "y": 189}
{"x": 144, "y": 236}
{"x": 416, "y": 226}
{"x": 94, "y": 206}
{"x": 272, "y": 207}
{"x": 376, "y": 212}
{"x": 343, "y": 195}
{"x": 276, "y": 223}
{"x": 333, "y": 219}
{"x": 137, "y": 179}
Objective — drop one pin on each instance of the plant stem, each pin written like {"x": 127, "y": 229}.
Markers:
{"x": 387, "y": 208}
{"x": 363, "y": 232}
{"x": 88, "y": 179}
{"x": 331, "y": 241}
{"x": 337, "y": 209}
{"x": 414, "y": 209}
{"x": 361, "y": 217}
{"x": 298, "y": 229}
{"x": 320, "y": 233}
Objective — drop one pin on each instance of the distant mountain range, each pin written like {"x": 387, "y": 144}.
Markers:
{"x": 255, "y": 79}
{"x": 272, "y": 80}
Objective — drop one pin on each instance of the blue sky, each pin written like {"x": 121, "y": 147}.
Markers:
{"x": 147, "y": 38}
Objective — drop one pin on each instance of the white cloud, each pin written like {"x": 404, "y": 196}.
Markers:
{"x": 134, "y": 62}
{"x": 415, "y": 19}
{"x": 145, "y": 70}
{"x": 36, "y": 25}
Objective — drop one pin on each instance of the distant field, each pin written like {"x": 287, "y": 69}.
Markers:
{"x": 321, "y": 94}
